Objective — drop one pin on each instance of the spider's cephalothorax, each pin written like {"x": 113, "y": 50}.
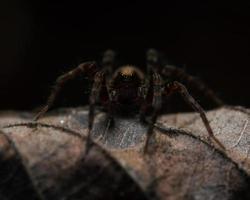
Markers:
{"x": 125, "y": 84}
{"x": 128, "y": 87}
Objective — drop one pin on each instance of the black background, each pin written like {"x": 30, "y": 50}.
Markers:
{"x": 42, "y": 39}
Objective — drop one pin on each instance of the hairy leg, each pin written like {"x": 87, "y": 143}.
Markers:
{"x": 156, "y": 104}
{"x": 93, "y": 98}
{"x": 154, "y": 64}
{"x": 143, "y": 94}
{"x": 108, "y": 60}
{"x": 180, "y": 74}
{"x": 180, "y": 88}
{"x": 108, "y": 63}
{"x": 88, "y": 68}
{"x": 152, "y": 61}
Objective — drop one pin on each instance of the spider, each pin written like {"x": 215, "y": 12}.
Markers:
{"x": 129, "y": 88}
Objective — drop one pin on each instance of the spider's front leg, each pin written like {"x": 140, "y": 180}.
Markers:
{"x": 88, "y": 68}
{"x": 156, "y": 104}
{"x": 180, "y": 74}
{"x": 108, "y": 60}
{"x": 99, "y": 79}
{"x": 180, "y": 88}
{"x": 154, "y": 64}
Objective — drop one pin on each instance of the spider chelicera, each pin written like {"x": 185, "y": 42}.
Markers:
{"x": 129, "y": 88}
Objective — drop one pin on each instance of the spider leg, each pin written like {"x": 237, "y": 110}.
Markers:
{"x": 93, "y": 98}
{"x": 108, "y": 60}
{"x": 112, "y": 98}
{"x": 156, "y": 104}
{"x": 142, "y": 94}
{"x": 112, "y": 93}
{"x": 152, "y": 59}
{"x": 152, "y": 63}
{"x": 180, "y": 88}
{"x": 88, "y": 68}
{"x": 180, "y": 74}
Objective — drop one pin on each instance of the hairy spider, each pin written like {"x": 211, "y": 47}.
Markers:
{"x": 128, "y": 88}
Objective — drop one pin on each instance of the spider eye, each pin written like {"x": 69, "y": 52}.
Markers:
{"x": 127, "y": 78}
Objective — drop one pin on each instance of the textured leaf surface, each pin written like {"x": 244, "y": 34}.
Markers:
{"x": 46, "y": 160}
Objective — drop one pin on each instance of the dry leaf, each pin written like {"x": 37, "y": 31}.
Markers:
{"x": 46, "y": 160}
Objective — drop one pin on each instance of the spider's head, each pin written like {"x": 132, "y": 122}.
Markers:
{"x": 126, "y": 83}
{"x": 128, "y": 76}
{"x": 127, "y": 73}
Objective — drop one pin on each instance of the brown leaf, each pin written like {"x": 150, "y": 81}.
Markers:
{"x": 46, "y": 160}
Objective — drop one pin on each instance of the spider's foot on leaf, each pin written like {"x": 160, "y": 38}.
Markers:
{"x": 41, "y": 113}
